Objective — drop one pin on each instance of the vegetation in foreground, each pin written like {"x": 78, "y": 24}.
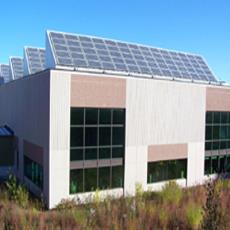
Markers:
{"x": 201, "y": 207}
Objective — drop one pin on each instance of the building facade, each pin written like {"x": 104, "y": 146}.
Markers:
{"x": 78, "y": 131}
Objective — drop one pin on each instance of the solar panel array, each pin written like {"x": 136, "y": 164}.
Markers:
{"x": 96, "y": 53}
{"x": 5, "y": 72}
{"x": 36, "y": 59}
{"x": 16, "y": 67}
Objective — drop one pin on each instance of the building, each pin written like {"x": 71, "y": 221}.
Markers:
{"x": 97, "y": 113}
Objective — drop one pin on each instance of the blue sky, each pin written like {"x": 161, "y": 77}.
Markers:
{"x": 197, "y": 26}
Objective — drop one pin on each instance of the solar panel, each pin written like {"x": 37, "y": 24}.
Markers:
{"x": 16, "y": 67}
{"x": 5, "y": 72}
{"x": 78, "y": 51}
{"x": 34, "y": 60}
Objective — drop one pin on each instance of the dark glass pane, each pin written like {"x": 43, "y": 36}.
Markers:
{"x": 181, "y": 169}
{"x": 208, "y": 135}
{"x": 228, "y": 117}
{"x": 118, "y": 136}
{"x": 216, "y": 132}
{"x": 172, "y": 170}
{"x": 223, "y": 145}
{"x": 215, "y": 145}
{"x": 215, "y": 166}
{"x": 76, "y": 154}
{"x": 105, "y": 116}
{"x": 162, "y": 170}
{"x": 118, "y": 116}
{"x": 76, "y": 181}
{"x": 90, "y": 179}
{"x": 91, "y": 116}
{"x": 90, "y": 154}
{"x": 77, "y": 116}
{"x": 151, "y": 172}
{"x": 117, "y": 152}
{"x": 209, "y": 117}
{"x": 208, "y": 145}
{"x": 76, "y": 137}
{"x": 221, "y": 164}
{"x": 216, "y": 117}
{"x": 228, "y": 144}
{"x": 223, "y": 132}
{"x": 104, "y": 177}
{"x": 207, "y": 167}
{"x": 104, "y": 136}
{"x": 90, "y": 136}
{"x": 33, "y": 171}
{"x": 224, "y": 118}
{"x": 166, "y": 170}
{"x": 228, "y": 132}
{"x": 227, "y": 166}
{"x": 104, "y": 153}
{"x": 117, "y": 176}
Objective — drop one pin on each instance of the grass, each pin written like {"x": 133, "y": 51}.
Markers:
{"x": 172, "y": 208}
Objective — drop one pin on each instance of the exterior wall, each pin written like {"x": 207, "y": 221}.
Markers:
{"x": 72, "y": 90}
{"x": 6, "y": 151}
{"x": 161, "y": 113}
{"x": 59, "y": 163}
{"x": 218, "y": 99}
{"x": 157, "y": 113}
{"x": 24, "y": 107}
{"x": 167, "y": 152}
{"x": 195, "y": 168}
{"x": 34, "y": 152}
{"x": 98, "y": 92}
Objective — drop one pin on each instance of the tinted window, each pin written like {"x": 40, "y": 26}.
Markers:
{"x": 105, "y": 136}
{"x": 117, "y": 152}
{"x": 90, "y": 154}
{"x": 105, "y": 116}
{"x": 76, "y": 137}
{"x": 209, "y": 117}
{"x": 104, "y": 177}
{"x": 91, "y": 116}
{"x": 76, "y": 154}
{"x": 104, "y": 153}
{"x": 216, "y": 117}
{"x": 90, "y": 136}
{"x": 117, "y": 176}
{"x": 77, "y": 116}
{"x": 118, "y": 116}
{"x": 90, "y": 179}
{"x": 76, "y": 181}
{"x": 118, "y": 136}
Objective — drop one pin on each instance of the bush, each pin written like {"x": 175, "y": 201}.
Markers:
{"x": 17, "y": 193}
{"x": 66, "y": 204}
{"x": 194, "y": 215}
{"x": 212, "y": 207}
{"x": 171, "y": 193}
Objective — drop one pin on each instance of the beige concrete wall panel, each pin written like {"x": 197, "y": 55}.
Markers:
{"x": 217, "y": 99}
{"x": 167, "y": 152}
{"x": 98, "y": 92}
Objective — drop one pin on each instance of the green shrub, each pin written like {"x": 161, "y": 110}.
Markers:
{"x": 66, "y": 204}
{"x": 17, "y": 193}
{"x": 212, "y": 208}
{"x": 194, "y": 215}
{"x": 171, "y": 193}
